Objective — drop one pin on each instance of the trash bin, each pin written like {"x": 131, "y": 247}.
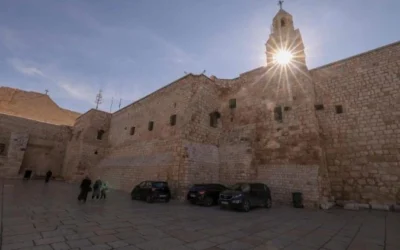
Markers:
{"x": 297, "y": 198}
{"x": 27, "y": 174}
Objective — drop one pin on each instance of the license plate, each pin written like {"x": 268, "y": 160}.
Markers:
{"x": 224, "y": 202}
{"x": 192, "y": 195}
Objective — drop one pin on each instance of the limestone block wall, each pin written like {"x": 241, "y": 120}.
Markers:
{"x": 85, "y": 150}
{"x": 283, "y": 180}
{"x": 136, "y": 154}
{"x": 362, "y": 142}
{"x": 31, "y": 144}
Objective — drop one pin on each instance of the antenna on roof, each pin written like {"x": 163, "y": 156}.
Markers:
{"x": 99, "y": 99}
{"x": 204, "y": 71}
{"x": 46, "y": 91}
{"x": 120, "y": 101}
{"x": 112, "y": 100}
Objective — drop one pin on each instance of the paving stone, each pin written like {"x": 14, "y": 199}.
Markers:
{"x": 18, "y": 245}
{"x": 97, "y": 247}
{"x": 220, "y": 239}
{"x": 21, "y": 238}
{"x": 60, "y": 246}
{"x": 128, "y": 248}
{"x": 160, "y": 244}
{"x": 42, "y": 247}
{"x": 79, "y": 243}
{"x": 103, "y": 239}
{"x": 118, "y": 243}
{"x": 236, "y": 245}
{"x": 105, "y": 232}
{"x": 79, "y": 236}
{"x": 201, "y": 245}
{"x": 47, "y": 241}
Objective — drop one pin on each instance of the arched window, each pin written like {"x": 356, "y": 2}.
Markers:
{"x": 214, "y": 116}
{"x": 100, "y": 134}
{"x": 283, "y": 23}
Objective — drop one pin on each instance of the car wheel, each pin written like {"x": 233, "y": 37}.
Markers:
{"x": 208, "y": 201}
{"x": 268, "y": 203}
{"x": 149, "y": 199}
{"x": 246, "y": 206}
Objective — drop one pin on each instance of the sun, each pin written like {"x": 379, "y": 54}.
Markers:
{"x": 283, "y": 57}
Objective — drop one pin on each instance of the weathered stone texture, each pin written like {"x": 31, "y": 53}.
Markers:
{"x": 363, "y": 143}
{"x": 31, "y": 145}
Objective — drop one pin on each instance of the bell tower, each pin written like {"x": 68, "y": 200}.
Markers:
{"x": 284, "y": 37}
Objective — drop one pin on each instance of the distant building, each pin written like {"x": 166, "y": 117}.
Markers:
{"x": 331, "y": 133}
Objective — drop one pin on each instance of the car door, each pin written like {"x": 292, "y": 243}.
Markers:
{"x": 255, "y": 194}
{"x": 144, "y": 189}
{"x": 136, "y": 190}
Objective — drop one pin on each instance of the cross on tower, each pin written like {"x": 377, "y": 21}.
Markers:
{"x": 280, "y": 2}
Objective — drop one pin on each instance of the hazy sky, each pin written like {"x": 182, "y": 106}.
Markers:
{"x": 130, "y": 48}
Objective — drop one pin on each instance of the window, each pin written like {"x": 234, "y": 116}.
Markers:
{"x": 2, "y": 148}
{"x": 100, "y": 134}
{"x": 232, "y": 103}
{"x": 278, "y": 114}
{"x": 339, "y": 109}
{"x": 319, "y": 107}
{"x": 132, "y": 132}
{"x": 287, "y": 108}
{"x": 95, "y": 152}
{"x": 172, "y": 120}
{"x": 214, "y": 116}
{"x": 151, "y": 125}
{"x": 283, "y": 23}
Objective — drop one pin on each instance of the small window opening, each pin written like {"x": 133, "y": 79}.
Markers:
{"x": 278, "y": 114}
{"x": 151, "y": 125}
{"x": 132, "y": 132}
{"x": 283, "y": 23}
{"x": 319, "y": 107}
{"x": 100, "y": 134}
{"x": 339, "y": 109}
{"x": 232, "y": 103}
{"x": 214, "y": 116}
{"x": 2, "y": 148}
{"x": 95, "y": 152}
{"x": 287, "y": 108}
{"x": 172, "y": 120}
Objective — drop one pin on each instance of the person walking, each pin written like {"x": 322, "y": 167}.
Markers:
{"x": 104, "y": 190}
{"x": 96, "y": 189}
{"x": 48, "y": 176}
{"x": 85, "y": 189}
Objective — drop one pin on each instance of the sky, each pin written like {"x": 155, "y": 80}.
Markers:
{"x": 130, "y": 48}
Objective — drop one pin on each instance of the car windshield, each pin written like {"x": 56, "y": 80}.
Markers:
{"x": 238, "y": 187}
{"x": 159, "y": 184}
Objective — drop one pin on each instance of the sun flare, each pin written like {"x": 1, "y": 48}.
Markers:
{"x": 283, "y": 57}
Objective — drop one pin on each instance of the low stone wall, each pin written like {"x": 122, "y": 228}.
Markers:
{"x": 283, "y": 180}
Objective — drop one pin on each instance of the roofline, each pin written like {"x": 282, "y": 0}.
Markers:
{"x": 357, "y": 55}
{"x": 29, "y": 119}
{"x": 158, "y": 90}
{"x": 92, "y": 109}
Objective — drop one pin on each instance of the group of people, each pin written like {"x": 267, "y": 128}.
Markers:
{"x": 99, "y": 189}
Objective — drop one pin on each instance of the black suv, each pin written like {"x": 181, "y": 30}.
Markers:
{"x": 244, "y": 196}
{"x": 206, "y": 194}
{"x": 151, "y": 191}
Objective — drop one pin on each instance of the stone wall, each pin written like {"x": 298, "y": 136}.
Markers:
{"x": 363, "y": 143}
{"x": 31, "y": 145}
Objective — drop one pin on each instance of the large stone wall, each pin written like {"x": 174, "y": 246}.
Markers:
{"x": 31, "y": 145}
{"x": 363, "y": 143}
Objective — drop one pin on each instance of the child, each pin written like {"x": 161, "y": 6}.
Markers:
{"x": 104, "y": 190}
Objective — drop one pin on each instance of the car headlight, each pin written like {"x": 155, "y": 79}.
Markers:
{"x": 237, "y": 196}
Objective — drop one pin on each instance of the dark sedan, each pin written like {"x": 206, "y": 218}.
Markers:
{"x": 205, "y": 194}
{"x": 244, "y": 196}
{"x": 151, "y": 191}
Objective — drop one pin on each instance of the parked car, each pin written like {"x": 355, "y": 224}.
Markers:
{"x": 205, "y": 194}
{"x": 151, "y": 191}
{"x": 244, "y": 196}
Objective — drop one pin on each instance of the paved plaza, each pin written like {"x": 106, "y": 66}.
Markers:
{"x": 39, "y": 216}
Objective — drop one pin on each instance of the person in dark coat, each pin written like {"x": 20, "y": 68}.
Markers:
{"x": 96, "y": 189}
{"x": 48, "y": 176}
{"x": 85, "y": 189}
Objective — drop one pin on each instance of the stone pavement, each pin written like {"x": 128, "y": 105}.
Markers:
{"x": 44, "y": 217}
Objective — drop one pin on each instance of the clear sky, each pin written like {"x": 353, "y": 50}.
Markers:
{"x": 132, "y": 48}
